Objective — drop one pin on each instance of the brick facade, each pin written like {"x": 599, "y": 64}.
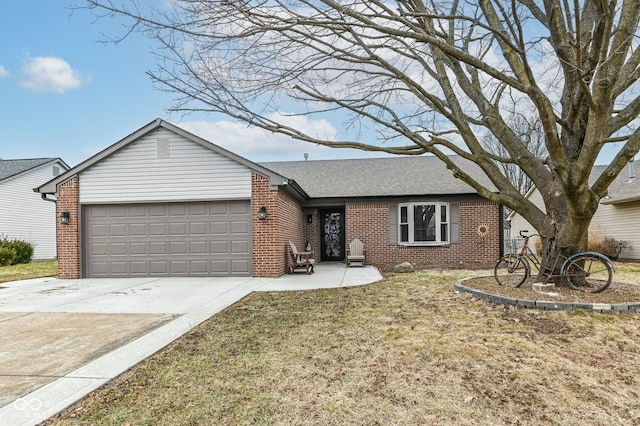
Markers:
{"x": 284, "y": 223}
{"x": 68, "y": 236}
{"x": 287, "y": 221}
{"x": 370, "y": 223}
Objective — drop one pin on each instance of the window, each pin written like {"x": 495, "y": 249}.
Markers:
{"x": 424, "y": 223}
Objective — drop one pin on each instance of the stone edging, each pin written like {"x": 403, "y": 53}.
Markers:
{"x": 547, "y": 305}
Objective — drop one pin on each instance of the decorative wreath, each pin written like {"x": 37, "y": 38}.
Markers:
{"x": 483, "y": 230}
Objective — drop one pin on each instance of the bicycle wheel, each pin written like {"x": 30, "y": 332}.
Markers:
{"x": 511, "y": 271}
{"x": 588, "y": 273}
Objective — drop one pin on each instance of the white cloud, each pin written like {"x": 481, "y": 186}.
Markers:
{"x": 259, "y": 145}
{"x": 51, "y": 74}
{"x": 4, "y": 72}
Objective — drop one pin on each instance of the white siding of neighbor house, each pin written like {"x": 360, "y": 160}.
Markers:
{"x": 137, "y": 173}
{"x": 518, "y": 223}
{"x": 622, "y": 222}
{"x": 24, "y": 215}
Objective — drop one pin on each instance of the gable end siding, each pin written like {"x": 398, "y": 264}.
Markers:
{"x": 26, "y": 216}
{"x": 191, "y": 173}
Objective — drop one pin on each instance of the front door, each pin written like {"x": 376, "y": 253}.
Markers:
{"x": 332, "y": 234}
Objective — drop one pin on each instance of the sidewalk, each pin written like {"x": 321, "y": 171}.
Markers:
{"x": 65, "y": 338}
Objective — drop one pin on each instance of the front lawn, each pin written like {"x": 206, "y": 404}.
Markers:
{"x": 404, "y": 351}
{"x": 28, "y": 270}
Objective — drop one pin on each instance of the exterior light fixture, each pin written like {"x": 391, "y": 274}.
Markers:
{"x": 64, "y": 218}
{"x": 309, "y": 218}
{"x": 262, "y": 213}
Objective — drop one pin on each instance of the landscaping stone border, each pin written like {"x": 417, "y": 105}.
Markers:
{"x": 548, "y": 305}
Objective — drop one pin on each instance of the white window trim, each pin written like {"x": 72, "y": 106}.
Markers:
{"x": 411, "y": 222}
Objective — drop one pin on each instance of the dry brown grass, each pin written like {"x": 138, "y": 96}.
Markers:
{"x": 405, "y": 351}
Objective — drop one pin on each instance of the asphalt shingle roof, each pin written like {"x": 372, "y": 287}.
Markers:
{"x": 622, "y": 189}
{"x": 371, "y": 177}
{"x": 9, "y": 168}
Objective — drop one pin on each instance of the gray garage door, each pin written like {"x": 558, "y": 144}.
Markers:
{"x": 181, "y": 239}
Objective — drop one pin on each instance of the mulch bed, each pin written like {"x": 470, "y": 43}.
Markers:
{"x": 617, "y": 292}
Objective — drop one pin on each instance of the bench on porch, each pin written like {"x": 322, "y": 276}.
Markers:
{"x": 301, "y": 260}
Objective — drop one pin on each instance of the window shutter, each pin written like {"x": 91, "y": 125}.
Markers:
{"x": 393, "y": 224}
{"x": 454, "y": 217}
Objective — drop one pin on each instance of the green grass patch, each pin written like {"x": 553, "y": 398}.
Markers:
{"x": 28, "y": 271}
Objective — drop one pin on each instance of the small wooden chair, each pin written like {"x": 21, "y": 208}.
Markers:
{"x": 356, "y": 254}
{"x": 301, "y": 260}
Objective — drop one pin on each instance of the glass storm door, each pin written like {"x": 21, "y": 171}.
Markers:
{"x": 332, "y": 234}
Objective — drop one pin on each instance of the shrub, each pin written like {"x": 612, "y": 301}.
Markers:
{"x": 608, "y": 246}
{"x": 7, "y": 256}
{"x": 23, "y": 251}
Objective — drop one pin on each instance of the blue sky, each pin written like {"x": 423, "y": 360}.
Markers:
{"x": 65, "y": 94}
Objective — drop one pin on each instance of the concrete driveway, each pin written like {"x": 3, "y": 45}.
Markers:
{"x": 62, "y": 339}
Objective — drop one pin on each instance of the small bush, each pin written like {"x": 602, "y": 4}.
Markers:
{"x": 608, "y": 246}
{"x": 7, "y": 256}
{"x": 23, "y": 251}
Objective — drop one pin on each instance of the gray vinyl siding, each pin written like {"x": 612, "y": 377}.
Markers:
{"x": 24, "y": 215}
{"x": 619, "y": 221}
{"x": 622, "y": 222}
{"x": 191, "y": 172}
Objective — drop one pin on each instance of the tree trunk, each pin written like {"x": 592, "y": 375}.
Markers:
{"x": 565, "y": 233}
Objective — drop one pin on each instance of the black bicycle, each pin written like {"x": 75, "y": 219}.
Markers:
{"x": 589, "y": 272}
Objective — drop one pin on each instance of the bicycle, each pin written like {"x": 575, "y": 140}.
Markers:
{"x": 589, "y": 272}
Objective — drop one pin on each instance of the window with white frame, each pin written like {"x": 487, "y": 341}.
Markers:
{"x": 424, "y": 223}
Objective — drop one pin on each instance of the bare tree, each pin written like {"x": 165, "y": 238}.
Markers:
{"x": 531, "y": 134}
{"x": 429, "y": 76}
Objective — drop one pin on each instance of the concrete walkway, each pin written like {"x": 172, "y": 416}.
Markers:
{"x": 62, "y": 339}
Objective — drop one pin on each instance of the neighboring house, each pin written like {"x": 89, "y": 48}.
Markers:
{"x": 618, "y": 215}
{"x": 23, "y": 214}
{"x": 164, "y": 202}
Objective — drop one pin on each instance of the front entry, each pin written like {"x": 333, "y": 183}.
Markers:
{"x": 332, "y": 234}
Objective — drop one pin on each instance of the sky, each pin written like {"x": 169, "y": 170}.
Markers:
{"x": 64, "y": 93}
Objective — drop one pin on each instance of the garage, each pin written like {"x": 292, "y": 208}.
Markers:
{"x": 168, "y": 239}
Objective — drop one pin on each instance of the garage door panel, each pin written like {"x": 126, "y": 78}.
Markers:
{"x": 240, "y": 247}
{"x": 198, "y": 228}
{"x": 158, "y": 229}
{"x": 138, "y": 229}
{"x": 203, "y": 239}
{"x": 118, "y": 230}
{"x": 238, "y": 227}
{"x": 178, "y": 247}
{"x": 177, "y": 228}
{"x": 240, "y": 266}
{"x": 156, "y": 247}
{"x": 118, "y": 249}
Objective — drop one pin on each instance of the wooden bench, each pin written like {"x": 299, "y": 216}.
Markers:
{"x": 301, "y": 260}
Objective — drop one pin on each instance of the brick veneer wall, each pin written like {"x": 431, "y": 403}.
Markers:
{"x": 68, "y": 236}
{"x": 284, "y": 222}
{"x": 369, "y": 223}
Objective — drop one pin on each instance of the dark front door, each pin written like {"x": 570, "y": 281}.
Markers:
{"x": 332, "y": 234}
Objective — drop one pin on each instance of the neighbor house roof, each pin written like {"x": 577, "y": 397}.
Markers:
{"x": 10, "y": 168}
{"x": 624, "y": 189}
{"x": 375, "y": 177}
